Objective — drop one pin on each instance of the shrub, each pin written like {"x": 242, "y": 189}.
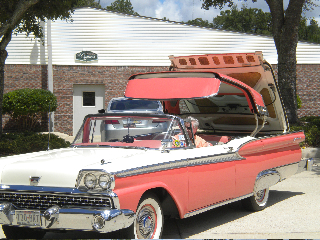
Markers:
{"x": 27, "y": 106}
{"x": 18, "y": 143}
{"x": 299, "y": 102}
{"x": 311, "y": 127}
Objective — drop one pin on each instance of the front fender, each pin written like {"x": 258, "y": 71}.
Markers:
{"x": 129, "y": 197}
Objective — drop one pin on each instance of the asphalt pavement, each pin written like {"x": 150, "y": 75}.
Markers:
{"x": 293, "y": 213}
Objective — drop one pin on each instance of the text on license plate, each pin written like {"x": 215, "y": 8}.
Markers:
{"x": 30, "y": 218}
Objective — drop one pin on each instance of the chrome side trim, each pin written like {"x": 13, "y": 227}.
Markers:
{"x": 195, "y": 212}
{"x": 287, "y": 170}
{"x": 270, "y": 177}
{"x": 180, "y": 164}
{"x": 215, "y": 159}
{"x": 265, "y": 179}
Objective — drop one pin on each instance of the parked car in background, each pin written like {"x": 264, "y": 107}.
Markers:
{"x": 114, "y": 130}
{"x": 130, "y": 170}
{"x": 123, "y": 104}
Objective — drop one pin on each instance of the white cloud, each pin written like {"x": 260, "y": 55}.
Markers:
{"x": 184, "y": 10}
{"x": 191, "y": 9}
{"x": 171, "y": 9}
{"x": 105, "y": 3}
{"x": 174, "y": 10}
{"x": 145, "y": 8}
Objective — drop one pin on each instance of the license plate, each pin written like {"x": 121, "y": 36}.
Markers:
{"x": 29, "y": 218}
{"x": 135, "y": 122}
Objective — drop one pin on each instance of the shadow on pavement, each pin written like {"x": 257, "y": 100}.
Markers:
{"x": 83, "y": 235}
{"x": 316, "y": 166}
{"x": 279, "y": 196}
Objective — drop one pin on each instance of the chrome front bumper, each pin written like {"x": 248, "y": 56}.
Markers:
{"x": 62, "y": 209}
{"x": 101, "y": 220}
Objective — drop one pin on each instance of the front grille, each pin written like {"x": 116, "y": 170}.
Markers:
{"x": 43, "y": 201}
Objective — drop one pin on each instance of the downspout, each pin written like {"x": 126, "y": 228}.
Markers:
{"x": 50, "y": 72}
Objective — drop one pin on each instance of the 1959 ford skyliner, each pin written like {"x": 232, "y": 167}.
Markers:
{"x": 130, "y": 170}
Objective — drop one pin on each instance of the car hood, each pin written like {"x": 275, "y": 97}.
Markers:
{"x": 49, "y": 166}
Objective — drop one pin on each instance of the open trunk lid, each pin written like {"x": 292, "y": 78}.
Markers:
{"x": 225, "y": 92}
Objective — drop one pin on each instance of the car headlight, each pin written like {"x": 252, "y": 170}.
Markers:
{"x": 95, "y": 180}
{"x": 104, "y": 181}
{"x": 90, "y": 181}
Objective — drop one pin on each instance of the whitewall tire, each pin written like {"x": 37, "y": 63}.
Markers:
{"x": 258, "y": 201}
{"x": 149, "y": 218}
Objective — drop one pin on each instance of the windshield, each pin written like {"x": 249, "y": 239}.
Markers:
{"x": 134, "y": 105}
{"x": 131, "y": 131}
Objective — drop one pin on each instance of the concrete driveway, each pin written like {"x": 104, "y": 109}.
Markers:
{"x": 293, "y": 212}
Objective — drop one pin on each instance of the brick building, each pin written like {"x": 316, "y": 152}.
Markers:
{"x": 99, "y": 50}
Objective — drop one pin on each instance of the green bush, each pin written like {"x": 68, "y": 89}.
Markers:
{"x": 299, "y": 102}
{"x": 27, "y": 106}
{"x": 311, "y": 127}
{"x": 18, "y": 143}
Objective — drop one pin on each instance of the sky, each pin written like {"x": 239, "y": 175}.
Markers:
{"x": 184, "y": 10}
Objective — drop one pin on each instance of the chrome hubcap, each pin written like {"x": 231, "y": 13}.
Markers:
{"x": 147, "y": 222}
{"x": 260, "y": 195}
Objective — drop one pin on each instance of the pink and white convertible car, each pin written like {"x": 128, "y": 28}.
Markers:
{"x": 130, "y": 170}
